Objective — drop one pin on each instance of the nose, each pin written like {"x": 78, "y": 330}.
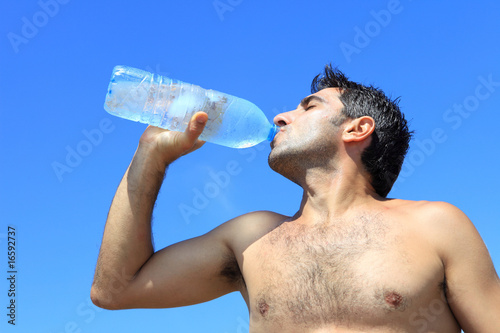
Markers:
{"x": 284, "y": 118}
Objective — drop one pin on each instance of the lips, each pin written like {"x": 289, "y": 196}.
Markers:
{"x": 282, "y": 129}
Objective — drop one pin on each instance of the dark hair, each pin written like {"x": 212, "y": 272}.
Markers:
{"x": 390, "y": 140}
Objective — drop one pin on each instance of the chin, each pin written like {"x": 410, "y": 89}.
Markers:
{"x": 286, "y": 162}
{"x": 291, "y": 161}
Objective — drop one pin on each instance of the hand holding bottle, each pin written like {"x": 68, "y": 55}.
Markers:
{"x": 167, "y": 146}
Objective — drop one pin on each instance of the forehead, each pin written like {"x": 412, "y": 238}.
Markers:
{"x": 329, "y": 96}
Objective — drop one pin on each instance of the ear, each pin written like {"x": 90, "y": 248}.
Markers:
{"x": 358, "y": 129}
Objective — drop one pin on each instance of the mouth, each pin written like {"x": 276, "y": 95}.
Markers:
{"x": 272, "y": 144}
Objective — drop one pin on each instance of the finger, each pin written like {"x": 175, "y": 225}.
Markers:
{"x": 196, "y": 126}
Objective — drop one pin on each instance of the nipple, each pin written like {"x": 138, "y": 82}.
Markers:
{"x": 394, "y": 300}
{"x": 263, "y": 307}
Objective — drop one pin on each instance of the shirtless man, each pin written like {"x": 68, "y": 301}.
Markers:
{"x": 349, "y": 260}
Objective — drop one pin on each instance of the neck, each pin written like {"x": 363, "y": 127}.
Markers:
{"x": 333, "y": 193}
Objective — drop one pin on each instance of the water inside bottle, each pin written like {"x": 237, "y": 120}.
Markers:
{"x": 126, "y": 99}
{"x": 168, "y": 106}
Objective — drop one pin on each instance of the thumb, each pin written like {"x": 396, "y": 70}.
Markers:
{"x": 196, "y": 126}
{"x": 189, "y": 139}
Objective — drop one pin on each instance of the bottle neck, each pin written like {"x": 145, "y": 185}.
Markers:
{"x": 272, "y": 132}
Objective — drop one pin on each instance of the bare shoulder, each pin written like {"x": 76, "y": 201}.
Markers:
{"x": 437, "y": 213}
{"x": 442, "y": 224}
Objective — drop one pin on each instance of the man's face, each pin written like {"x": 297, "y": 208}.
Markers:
{"x": 309, "y": 135}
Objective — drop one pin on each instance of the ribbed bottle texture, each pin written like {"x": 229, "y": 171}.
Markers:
{"x": 167, "y": 103}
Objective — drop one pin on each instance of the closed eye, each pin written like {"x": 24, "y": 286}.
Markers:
{"x": 311, "y": 101}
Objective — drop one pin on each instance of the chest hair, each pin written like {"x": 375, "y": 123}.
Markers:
{"x": 312, "y": 273}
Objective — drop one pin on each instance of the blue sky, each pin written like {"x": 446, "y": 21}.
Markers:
{"x": 63, "y": 155}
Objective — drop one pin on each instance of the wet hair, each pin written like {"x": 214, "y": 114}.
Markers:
{"x": 383, "y": 158}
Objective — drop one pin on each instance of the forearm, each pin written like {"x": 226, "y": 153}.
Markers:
{"x": 127, "y": 242}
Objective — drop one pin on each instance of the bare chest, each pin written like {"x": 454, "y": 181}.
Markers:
{"x": 358, "y": 273}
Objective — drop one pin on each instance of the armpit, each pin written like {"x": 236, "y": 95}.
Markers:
{"x": 231, "y": 271}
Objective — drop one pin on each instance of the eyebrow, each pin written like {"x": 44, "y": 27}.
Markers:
{"x": 305, "y": 101}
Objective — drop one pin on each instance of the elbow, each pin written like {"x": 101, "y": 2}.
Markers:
{"x": 103, "y": 299}
{"x": 97, "y": 297}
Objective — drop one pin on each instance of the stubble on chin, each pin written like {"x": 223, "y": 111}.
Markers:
{"x": 293, "y": 162}
{"x": 285, "y": 162}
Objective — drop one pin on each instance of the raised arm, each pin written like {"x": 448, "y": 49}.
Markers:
{"x": 129, "y": 274}
{"x": 473, "y": 286}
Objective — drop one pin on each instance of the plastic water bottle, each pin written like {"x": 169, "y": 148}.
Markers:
{"x": 167, "y": 103}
